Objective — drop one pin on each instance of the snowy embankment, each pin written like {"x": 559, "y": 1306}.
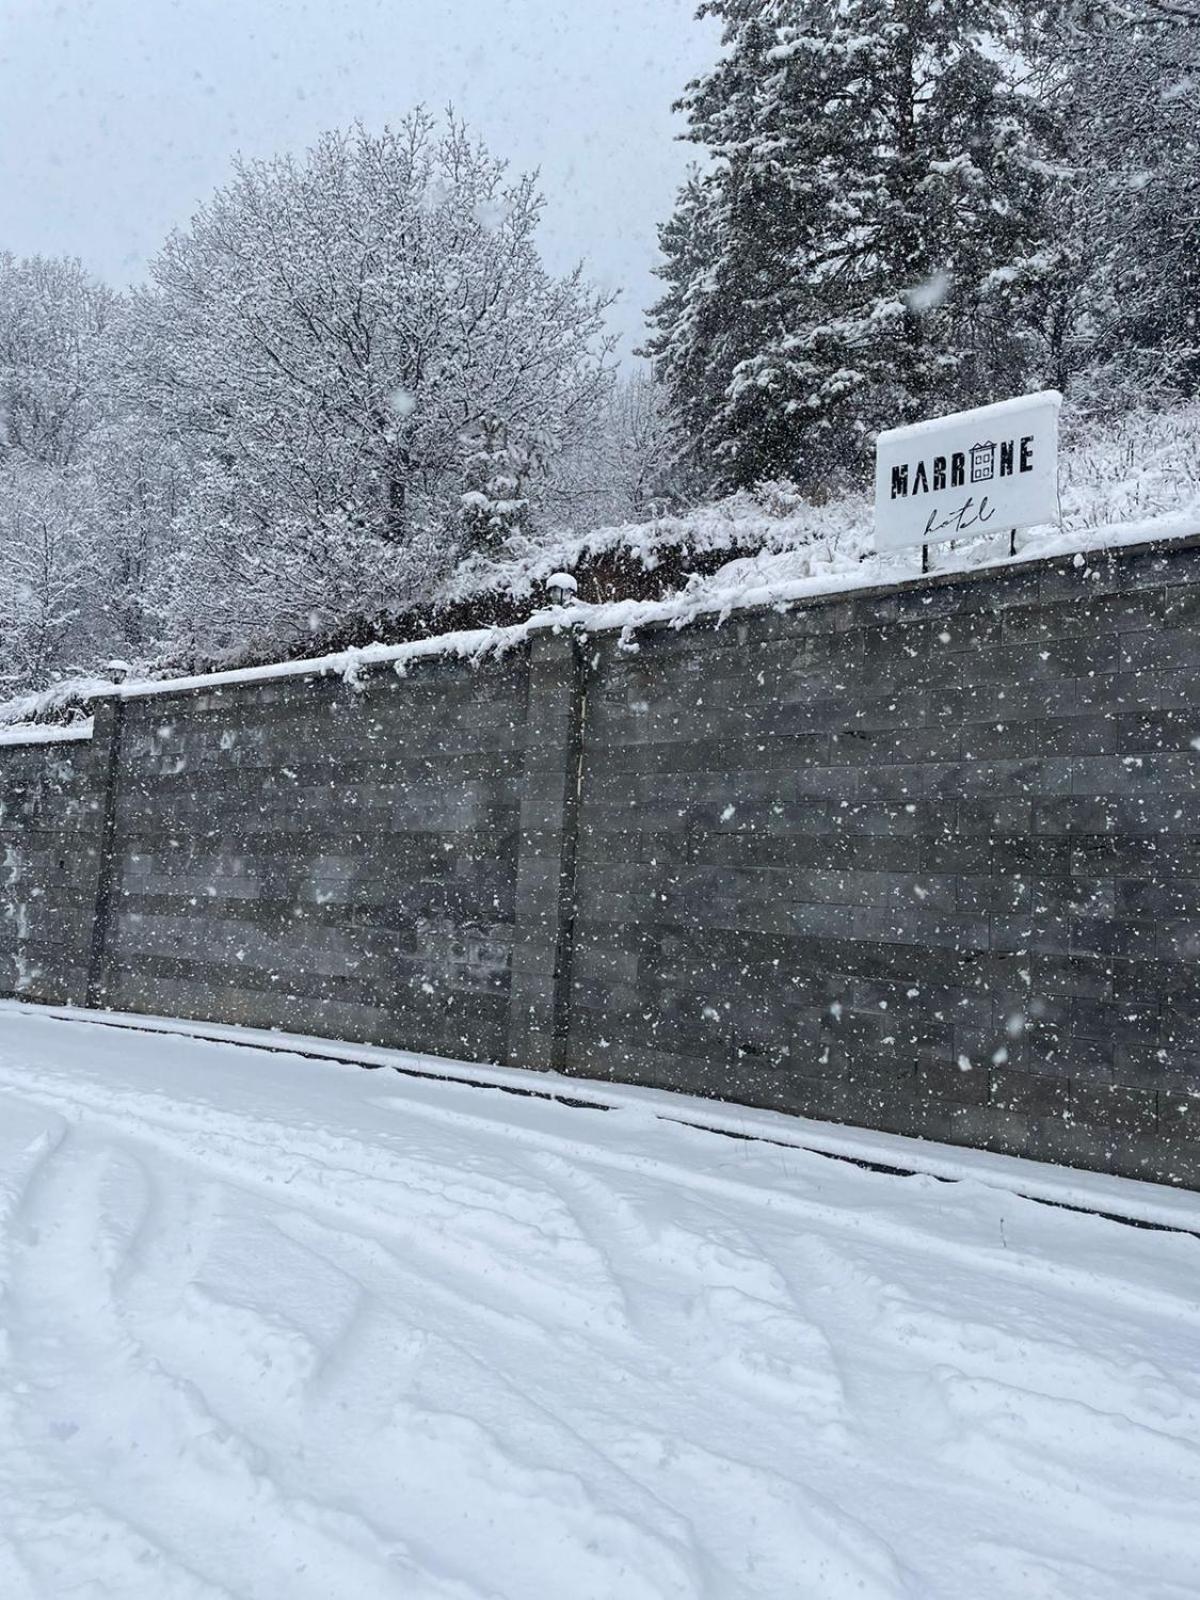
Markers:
{"x": 274, "y": 1327}
{"x": 1135, "y": 481}
{"x": 1127, "y": 482}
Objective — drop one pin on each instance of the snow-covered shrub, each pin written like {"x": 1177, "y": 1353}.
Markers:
{"x": 1130, "y": 468}
{"x": 1118, "y": 479}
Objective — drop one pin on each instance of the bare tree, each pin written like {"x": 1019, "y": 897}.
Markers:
{"x": 628, "y": 466}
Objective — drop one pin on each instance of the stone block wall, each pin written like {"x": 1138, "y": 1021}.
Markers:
{"x": 51, "y": 814}
{"x": 307, "y": 855}
{"x": 925, "y": 860}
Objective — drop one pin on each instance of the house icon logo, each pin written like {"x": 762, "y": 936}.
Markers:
{"x": 983, "y": 461}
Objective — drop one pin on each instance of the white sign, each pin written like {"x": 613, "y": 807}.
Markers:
{"x": 976, "y": 472}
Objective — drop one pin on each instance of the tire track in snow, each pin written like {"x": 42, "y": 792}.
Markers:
{"x": 333, "y": 1161}
{"x": 456, "y": 1367}
{"x": 49, "y": 1539}
{"x": 744, "y": 1326}
{"x": 320, "y": 1199}
{"x": 358, "y": 1184}
{"x": 473, "y": 1361}
{"x": 108, "y": 1446}
{"x": 635, "y": 1548}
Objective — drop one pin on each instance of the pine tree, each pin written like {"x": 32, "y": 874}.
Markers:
{"x": 1124, "y": 79}
{"x": 697, "y": 343}
{"x": 862, "y": 247}
{"x": 494, "y": 504}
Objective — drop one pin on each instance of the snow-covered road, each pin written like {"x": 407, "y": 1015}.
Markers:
{"x": 282, "y": 1329}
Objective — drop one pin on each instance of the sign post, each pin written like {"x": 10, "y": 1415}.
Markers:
{"x": 969, "y": 474}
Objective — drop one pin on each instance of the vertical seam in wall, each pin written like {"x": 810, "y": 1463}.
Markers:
{"x": 108, "y": 851}
{"x": 568, "y": 858}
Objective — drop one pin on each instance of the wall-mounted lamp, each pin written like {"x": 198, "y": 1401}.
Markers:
{"x": 562, "y": 587}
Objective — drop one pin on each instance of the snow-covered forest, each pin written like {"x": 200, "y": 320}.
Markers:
{"x": 351, "y": 376}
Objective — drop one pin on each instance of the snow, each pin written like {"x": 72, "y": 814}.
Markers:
{"x": 61, "y": 706}
{"x": 278, "y": 1327}
{"x": 1135, "y": 483}
{"x": 769, "y": 579}
{"x": 46, "y": 733}
{"x": 471, "y": 645}
{"x": 1149, "y": 1203}
{"x": 990, "y": 415}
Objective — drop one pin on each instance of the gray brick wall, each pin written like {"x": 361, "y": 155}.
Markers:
{"x": 51, "y": 803}
{"x": 332, "y": 860}
{"x": 925, "y": 860}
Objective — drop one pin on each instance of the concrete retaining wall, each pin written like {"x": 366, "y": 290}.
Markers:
{"x": 337, "y": 862}
{"x": 925, "y": 860}
{"x": 51, "y": 824}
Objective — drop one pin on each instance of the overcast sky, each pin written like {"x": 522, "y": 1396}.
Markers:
{"x": 118, "y": 116}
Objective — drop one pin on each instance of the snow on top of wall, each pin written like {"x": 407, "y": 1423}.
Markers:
{"x": 1136, "y": 482}
{"x": 51, "y": 715}
{"x": 772, "y": 578}
{"x": 46, "y": 733}
{"x": 471, "y": 645}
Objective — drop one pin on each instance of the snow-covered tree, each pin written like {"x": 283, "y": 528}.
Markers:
{"x": 54, "y": 328}
{"x": 699, "y": 337}
{"x": 1123, "y": 77}
{"x": 140, "y": 477}
{"x": 497, "y": 472}
{"x": 863, "y": 244}
{"x": 47, "y": 572}
{"x": 628, "y": 467}
{"x": 642, "y": 448}
{"x": 53, "y": 322}
{"x": 331, "y": 336}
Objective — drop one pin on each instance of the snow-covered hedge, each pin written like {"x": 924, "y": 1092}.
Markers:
{"x": 66, "y": 705}
{"x": 1135, "y": 480}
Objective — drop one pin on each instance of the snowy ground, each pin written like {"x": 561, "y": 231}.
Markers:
{"x": 277, "y": 1328}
